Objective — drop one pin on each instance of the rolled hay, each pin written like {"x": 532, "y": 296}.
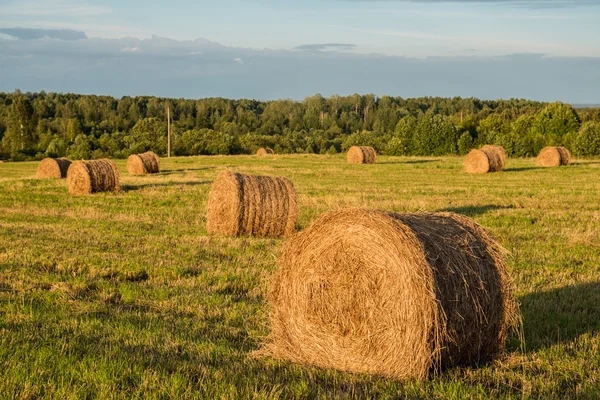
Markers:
{"x": 361, "y": 155}
{"x": 485, "y": 160}
{"x": 240, "y": 205}
{"x": 264, "y": 151}
{"x": 500, "y": 150}
{"x": 53, "y": 168}
{"x": 145, "y": 163}
{"x": 399, "y": 295}
{"x": 86, "y": 177}
{"x": 554, "y": 157}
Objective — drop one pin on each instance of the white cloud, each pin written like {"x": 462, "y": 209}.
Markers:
{"x": 132, "y": 50}
{"x": 196, "y": 53}
{"x": 62, "y": 8}
{"x": 238, "y": 60}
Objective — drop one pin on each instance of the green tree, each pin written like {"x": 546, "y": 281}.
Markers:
{"x": 21, "y": 135}
{"x": 555, "y": 121}
{"x": 435, "y": 135}
{"x": 149, "y": 134}
{"x": 81, "y": 148}
{"x": 587, "y": 141}
{"x": 401, "y": 143}
{"x": 465, "y": 143}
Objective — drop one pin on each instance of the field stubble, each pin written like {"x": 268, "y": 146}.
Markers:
{"x": 124, "y": 295}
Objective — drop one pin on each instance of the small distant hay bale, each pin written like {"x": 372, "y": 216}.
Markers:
{"x": 87, "y": 177}
{"x": 554, "y": 157}
{"x": 53, "y": 168}
{"x": 264, "y": 151}
{"x": 142, "y": 164}
{"x": 399, "y": 295}
{"x": 240, "y": 205}
{"x": 487, "y": 159}
{"x": 500, "y": 150}
{"x": 361, "y": 155}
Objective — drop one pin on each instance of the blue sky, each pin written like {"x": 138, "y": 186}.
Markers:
{"x": 560, "y": 33}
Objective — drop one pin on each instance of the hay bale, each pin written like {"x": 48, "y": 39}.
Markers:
{"x": 500, "y": 151}
{"x": 264, "y": 151}
{"x": 241, "y": 205}
{"x": 145, "y": 163}
{"x": 86, "y": 177}
{"x": 53, "y": 168}
{"x": 399, "y": 295}
{"x": 554, "y": 157}
{"x": 361, "y": 155}
{"x": 485, "y": 160}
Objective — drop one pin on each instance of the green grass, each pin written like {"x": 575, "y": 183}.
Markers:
{"x": 126, "y": 296}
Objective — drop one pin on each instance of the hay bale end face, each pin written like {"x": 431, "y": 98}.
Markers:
{"x": 500, "y": 150}
{"x": 142, "y": 164}
{"x": 87, "y": 177}
{"x": 240, "y": 205}
{"x": 488, "y": 159}
{"x": 53, "y": 168}
{"x": 361, "y": 155}
{"x": 264, "y": 151}
{"x": 554, "y": 157}
{"x": 399, "y": 295}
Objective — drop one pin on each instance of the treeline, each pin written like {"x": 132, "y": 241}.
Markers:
{"x": 37, "y": 125}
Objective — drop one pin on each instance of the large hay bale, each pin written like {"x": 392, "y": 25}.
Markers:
{"x": 264, "y": 151}
{"x": 53, "y": 168}
{"x": 400, "y": 295}
{"x": 145, "y": 163}
{"x": 361, "y": 155}
{"x": 554, "y": 157}
{"x": 241, "y": 205}
{"x": 86, "y": 177}
{"x": 485, "y": 160}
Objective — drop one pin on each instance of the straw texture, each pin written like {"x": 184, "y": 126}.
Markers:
{"x": 554, "y": 157}
{"x": 400, "y": 295}
{"x": 240, "y": 205}
{"x": 87, "y": 177}
{"x": 264, "y": 151}
{"x": 488, "y": 159}
{"x": 53, "y": 168}
{"x": 142, "y": 164}
{"x": 361, "y": 155}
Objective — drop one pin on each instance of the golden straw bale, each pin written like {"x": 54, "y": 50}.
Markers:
{"x": 53, "y": 168}
{"x": 86, "y": 177}
{"x": 145, "y": 163}
{"x": 240, "y": 204}
{"x": 264, "y": 151}
{"x": 484, "y": 161}
{"x": 554, "y": 157}
{"x": 361, "y": 155}
{"x": 500, "y": 150}
{"x": 399, "y": 295}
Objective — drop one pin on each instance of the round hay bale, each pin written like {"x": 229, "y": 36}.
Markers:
{"x": 500, "y": 151}
{"x": 264, "y": 151}
{"x": 53, "y": 168}
{"x": 86, "y": 177}
{"x": 361, "y": 155}
{"x": 240, "y": 205}
{"x": 554, "y": 157}
{"x": 145, "y": 163}
{"x": 400, "y": 295}
{"x": 484, "y": 161}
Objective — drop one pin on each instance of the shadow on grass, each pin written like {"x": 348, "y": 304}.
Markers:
{"x": 473, "y": 211}
{"x": 560, "y": 315}
{"x": 131, "y": 188}
{"x": 409, "y": 162}
{"x": 521, "y": 169}
{"x": 177, "y": 171}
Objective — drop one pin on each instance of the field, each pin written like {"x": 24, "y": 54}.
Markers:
{"x": 125, "y": 296}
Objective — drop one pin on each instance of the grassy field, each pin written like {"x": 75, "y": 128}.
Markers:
{"x": 125, "y": 296}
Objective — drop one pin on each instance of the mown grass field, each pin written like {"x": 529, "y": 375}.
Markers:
{"x": 125, "y": 296}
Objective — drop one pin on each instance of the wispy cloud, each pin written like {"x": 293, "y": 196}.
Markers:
{"x": 62, "y": 8}
{"x": 516, "y": 3}
{"x": 325, "y": 47}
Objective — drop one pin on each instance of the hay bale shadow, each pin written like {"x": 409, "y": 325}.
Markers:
{"x": 473, "y": 211}
{"x": 521, "y": 169}
{"x": 132, "y": 188}
{"x": 560, "y": 315}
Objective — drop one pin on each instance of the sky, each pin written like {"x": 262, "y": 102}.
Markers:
{"x": 266, "y": 49}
